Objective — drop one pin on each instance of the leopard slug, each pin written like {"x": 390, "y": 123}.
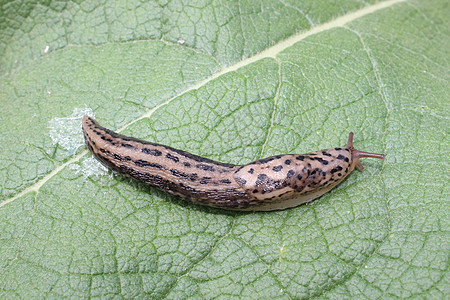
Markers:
{"x": 272, "y": 183}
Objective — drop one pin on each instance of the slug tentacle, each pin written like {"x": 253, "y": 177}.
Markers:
{"x": 271, "y": 183}
{"x": 356, "y": 154}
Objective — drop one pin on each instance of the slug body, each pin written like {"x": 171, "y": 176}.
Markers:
{"x": 272, "y": 183}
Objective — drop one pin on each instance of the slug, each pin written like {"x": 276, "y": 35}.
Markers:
{"x": 272, "y": 183}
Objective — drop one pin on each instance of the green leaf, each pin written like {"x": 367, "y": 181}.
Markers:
{"x": 232, "y": 81}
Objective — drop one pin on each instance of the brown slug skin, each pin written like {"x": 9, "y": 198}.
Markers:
{"x": 272, "y": 183}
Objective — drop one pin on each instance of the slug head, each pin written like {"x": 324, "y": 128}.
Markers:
{"x": 356, "y": 154}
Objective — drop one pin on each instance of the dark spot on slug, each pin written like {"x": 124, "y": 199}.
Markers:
{"x": 337, "y": 169}
{"x": 322, "y": 161}
{"x": 342, "y": 157}
{"x": 226, "y": 181}
{"x": 287, "y": 162}
{"x": 143, "y": 163}
{"x": 175, "y": 172}
{"x": 117, "y": 157}
{"x": 205, "y": 167}
{"x": 277, "y": 168}
{"x": 300, "y": 157}
{"x": 251, "y": 171}
{"x": 326, "y": 153}
{"x": 255, "y": 191}
{"x": 261, "y": 179}
{"x": 299, "y": 176}
{"x": 127, "y": 158}
{"x": 338, "y": 149}
{"x": 241, "y": 180}
{"x": 290, "y": 173}
{"x": 172, "y": 157}
{"x": 153, "y": 152}
{"x": 127, "y": 146}
{"x": 187, "y": 188}
{"x": 186, "y": 164}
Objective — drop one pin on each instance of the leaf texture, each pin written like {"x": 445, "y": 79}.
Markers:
{"x": 233, "y": 81}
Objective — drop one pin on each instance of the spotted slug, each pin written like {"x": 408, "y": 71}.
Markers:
{"x": 272, "y": 183}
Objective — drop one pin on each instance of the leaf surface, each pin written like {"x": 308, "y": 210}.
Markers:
{"x": 232, "y": 81}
